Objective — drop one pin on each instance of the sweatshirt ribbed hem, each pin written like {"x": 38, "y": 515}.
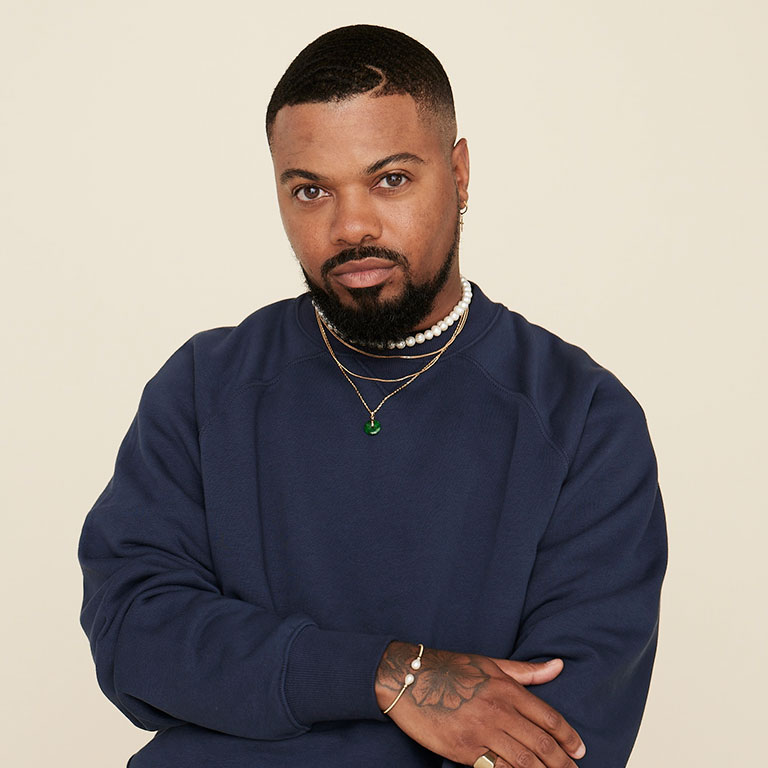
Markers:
{"x": 330, "y": 675}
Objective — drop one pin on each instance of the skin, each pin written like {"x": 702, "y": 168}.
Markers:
{"x": 336, "y": 189}
{"x": 463, "y": 704}
{"x": 377, "y": 171}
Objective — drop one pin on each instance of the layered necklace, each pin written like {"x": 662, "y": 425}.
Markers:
{"x": 457, "y": 317}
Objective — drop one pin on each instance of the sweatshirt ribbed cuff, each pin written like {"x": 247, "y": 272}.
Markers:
{"x": 331, "y": 675}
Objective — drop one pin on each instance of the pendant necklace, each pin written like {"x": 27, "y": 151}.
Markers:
{"x": 373, "y": 426}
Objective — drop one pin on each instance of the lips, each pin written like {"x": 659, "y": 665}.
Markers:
{"x": 363, "y": 273}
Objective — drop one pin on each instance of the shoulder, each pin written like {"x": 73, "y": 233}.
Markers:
{"x": 559, "y": 380}
{"x": 213, "y": 364}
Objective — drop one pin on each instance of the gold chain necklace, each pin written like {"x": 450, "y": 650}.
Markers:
{"x": 324, "y": 327}
{"x": 417, "y": 338}
{"x": 386, "y": 357}
{"x": 373, "y": 427}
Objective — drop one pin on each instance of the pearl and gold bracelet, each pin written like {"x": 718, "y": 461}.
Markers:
{"x": 409, "y": 678}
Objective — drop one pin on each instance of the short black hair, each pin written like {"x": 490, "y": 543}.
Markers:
{"x": 357, "y": 59}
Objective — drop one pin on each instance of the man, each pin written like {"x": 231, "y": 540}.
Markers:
{"x": 354, "y": 529}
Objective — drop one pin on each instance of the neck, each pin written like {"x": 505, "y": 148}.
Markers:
{"x": 456, "y": 313}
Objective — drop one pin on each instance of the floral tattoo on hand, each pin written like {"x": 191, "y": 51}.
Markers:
{"x": 445, "y": 681}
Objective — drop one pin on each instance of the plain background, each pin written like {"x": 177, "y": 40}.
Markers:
{"x": 618, "y": 197}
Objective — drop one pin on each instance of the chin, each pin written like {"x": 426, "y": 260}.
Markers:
{"x": 390, "y": 309}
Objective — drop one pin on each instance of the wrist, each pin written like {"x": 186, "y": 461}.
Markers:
{"x": 399, "y": 664}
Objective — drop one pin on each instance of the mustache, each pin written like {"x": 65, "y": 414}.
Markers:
{"x": 360, "y": 252}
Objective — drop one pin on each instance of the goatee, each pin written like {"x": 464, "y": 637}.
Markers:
{"x": 372, "y": 322}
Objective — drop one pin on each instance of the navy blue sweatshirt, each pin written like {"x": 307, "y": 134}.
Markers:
{"x": 255, "y": 550}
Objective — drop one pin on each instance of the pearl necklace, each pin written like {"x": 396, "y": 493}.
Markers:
{"x": 417, "y": 338}
{"x": 373, "y": 427}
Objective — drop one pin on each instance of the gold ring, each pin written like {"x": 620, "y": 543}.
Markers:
{"x": 488, "y": 760}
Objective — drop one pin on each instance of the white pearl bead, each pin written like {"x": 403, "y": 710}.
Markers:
{"x": 454, "y": 315}
{"x": 463, "y": 304}
{"x": 428, "y": 335}
{"x": 390, "y": 345}
{"x": 444, "y": 324}
{"x": 420, "y": 338}
{"x": 460, "y": 310}
{"x": 400, "y": 345}
{"x": 410, "y": 341}
{"x": 409, "y": 678}
{"x": 416, "y": 664}
{"x": 436, "y": 330}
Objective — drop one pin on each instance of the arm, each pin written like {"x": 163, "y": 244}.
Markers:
{"x": 593, "y": 596}
{"x": 592, "y": 601}
{"x": 169, "y": 647}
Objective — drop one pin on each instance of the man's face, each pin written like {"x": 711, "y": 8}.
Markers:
{"x": 369, "y": 193}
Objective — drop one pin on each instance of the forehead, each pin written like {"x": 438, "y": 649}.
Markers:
{"x": 352, "y": 133}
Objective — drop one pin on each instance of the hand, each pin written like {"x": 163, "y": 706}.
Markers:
{"x": 462, "y": 704}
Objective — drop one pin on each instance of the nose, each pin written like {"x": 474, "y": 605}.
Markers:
{"x": 355, "y": 220}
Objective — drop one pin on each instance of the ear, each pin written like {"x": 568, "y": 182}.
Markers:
{"x": 460, "y": 167}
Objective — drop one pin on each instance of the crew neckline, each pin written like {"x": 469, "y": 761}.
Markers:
{"x": 482, "y": 313}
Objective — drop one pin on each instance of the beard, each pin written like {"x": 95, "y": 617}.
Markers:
{"x": 370, "y": 321}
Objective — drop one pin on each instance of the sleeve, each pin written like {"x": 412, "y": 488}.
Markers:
{"x": 593, "y": 596}
{"x": 168, "y": 646}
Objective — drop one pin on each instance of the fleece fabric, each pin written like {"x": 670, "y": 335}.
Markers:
{"x": 255, "y": 550}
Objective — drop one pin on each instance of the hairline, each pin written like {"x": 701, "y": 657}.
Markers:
{"x": 443, "y": 120}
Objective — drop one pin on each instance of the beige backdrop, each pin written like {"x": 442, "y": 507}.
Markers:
{"x": 618, "y": 197}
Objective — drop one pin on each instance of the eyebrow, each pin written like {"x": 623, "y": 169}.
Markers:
{"x": 399, "y": 157}
{"x": 293, "y": 173}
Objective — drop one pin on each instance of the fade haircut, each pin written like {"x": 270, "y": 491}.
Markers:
{"x": 363, "y": 58}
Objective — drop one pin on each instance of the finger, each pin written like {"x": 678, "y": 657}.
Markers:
{"x": 488, "y": 755}
{"x": 540, "y": 743}
{"x": 531, "y": 672}
{"x": 551, "y": 721}
{"x": 511, "y": 752}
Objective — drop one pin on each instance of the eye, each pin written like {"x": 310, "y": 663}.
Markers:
{"x": 393, "y": 181}
{"x": 309, "y": 192}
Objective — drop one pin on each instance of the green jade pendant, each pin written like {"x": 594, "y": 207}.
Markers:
{"x": 372, "y": 427}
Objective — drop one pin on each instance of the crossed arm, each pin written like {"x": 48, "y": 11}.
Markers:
{"x": 592, "y": 603}
{"x": 160, "y": 627}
